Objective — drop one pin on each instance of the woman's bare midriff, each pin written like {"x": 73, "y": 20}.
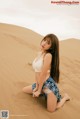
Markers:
{"x": 38, "y": 76}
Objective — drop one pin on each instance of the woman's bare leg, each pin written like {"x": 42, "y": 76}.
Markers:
{"x": 28, "y": 89}
{"x": 51, "y": 100}
{"x": 63, "y": 100}
{"x": 52, "y": 104}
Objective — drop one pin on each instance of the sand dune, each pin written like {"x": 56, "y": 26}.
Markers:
{"x": 18, "y": 47}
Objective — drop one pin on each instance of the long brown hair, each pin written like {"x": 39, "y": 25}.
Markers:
{"x": 54, "y": 50}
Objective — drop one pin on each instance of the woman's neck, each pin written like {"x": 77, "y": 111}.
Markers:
{"x": 42, "y": 51}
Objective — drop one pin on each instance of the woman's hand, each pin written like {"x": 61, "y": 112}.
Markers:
{"x": 36, "y": 94}
{"x": 35, "y": 89}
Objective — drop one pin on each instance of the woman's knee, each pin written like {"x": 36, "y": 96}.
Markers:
{"x": 51, "y": 110}
{"x": 24, "y": 89}
{"x": 27, "y": 89}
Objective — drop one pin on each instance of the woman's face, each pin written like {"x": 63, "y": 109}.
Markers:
{"x": 45, "y": 44}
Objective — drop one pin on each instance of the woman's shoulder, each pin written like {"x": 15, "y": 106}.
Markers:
{"x": 48, "y": 56}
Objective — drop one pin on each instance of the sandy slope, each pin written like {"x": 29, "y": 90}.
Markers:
{"x": 18, "y": 46}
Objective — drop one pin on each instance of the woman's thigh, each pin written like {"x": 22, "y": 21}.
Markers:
{"x": 51, "y": 101}
{"x": 28, "y": 89}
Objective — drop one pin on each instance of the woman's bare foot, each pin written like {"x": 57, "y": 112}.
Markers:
{"x": 63, "y": 100}
{"x": 67, "y": 97}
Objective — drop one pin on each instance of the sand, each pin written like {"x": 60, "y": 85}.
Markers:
{"x": 18, "y": 47}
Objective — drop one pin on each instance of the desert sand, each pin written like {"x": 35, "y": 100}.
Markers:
{"x": 18, "y": 48}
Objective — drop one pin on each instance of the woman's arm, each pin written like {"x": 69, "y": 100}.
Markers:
{"x": 46, "y": 65}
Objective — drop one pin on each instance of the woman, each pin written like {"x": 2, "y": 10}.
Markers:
{"x": 46, "y": 66}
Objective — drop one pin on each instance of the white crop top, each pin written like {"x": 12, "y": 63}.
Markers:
{"x": 38, "y": 63}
